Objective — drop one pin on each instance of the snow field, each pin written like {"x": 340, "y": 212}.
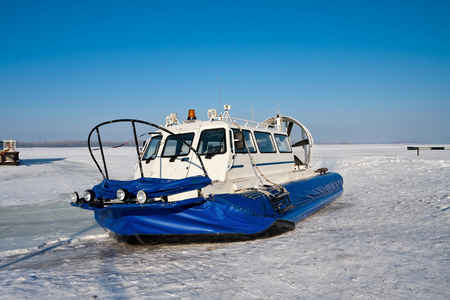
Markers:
{"x": 386, "y": 237}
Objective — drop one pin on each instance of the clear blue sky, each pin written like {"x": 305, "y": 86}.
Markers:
{"x": 351, "y": 71}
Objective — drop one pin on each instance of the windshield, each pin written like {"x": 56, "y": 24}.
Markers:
{"x": 152, "y": 148}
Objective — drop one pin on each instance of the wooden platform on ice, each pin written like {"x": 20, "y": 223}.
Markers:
{"x": 9, "y": 158}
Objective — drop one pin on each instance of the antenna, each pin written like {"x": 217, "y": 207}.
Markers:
{"x": 220, "y": 99}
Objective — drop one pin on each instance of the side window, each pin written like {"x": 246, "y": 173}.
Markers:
{"x": 283, "y": 143}
{"x": 174, "y": 147}
{"x": 212, "y": 141}
{"x": 248, "y": 141}
{"x": 264, "y": 141}
{"x": 152, "y": 149}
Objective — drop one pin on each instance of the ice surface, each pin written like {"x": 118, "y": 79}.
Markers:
{"x": 386, "y": 237}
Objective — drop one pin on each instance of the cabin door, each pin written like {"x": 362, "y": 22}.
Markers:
{"x": 214, "y": 153}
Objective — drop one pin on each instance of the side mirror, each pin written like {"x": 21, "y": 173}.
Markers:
{"x": 239, "y": 141}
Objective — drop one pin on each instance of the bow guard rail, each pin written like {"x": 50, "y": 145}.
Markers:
{"x": 133, "y": 122}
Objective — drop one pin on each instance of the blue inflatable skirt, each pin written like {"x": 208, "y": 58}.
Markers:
{"x": 218, "y": 218}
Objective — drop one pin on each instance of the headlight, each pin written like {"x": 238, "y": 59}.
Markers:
{"x": 74, "y": 197}
{"x": 89, "y": 195}
{"x": 212, "y": 113}
{"x": 122, "y": 194}
{"x": 141, "y": 197}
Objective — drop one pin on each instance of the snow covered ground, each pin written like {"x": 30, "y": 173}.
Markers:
{"x": 386, "y": 237}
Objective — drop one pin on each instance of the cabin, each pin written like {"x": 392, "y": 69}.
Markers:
{"x": 235, "y": 153}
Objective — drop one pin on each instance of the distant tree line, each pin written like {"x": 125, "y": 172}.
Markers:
{"x": 71, "y": 144}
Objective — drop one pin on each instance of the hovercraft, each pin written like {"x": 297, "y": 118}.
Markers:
{"x": 219, "y": 180}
